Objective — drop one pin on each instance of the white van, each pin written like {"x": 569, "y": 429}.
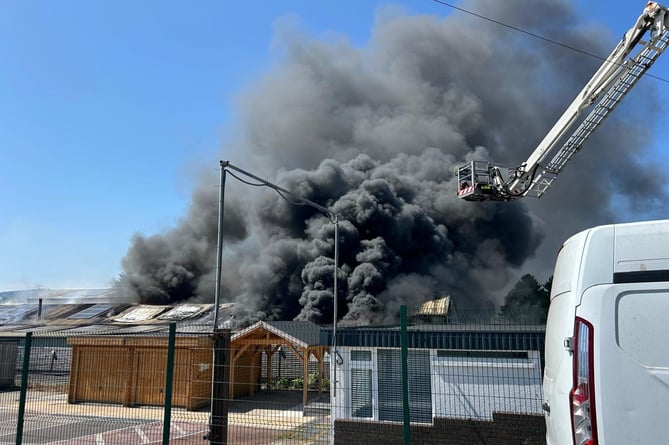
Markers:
{"x": 606, "y": 376}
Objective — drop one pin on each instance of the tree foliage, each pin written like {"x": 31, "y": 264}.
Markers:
{"x": 528, "y": 301}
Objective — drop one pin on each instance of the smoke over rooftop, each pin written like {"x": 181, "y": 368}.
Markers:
{"x": 374, "y": 134}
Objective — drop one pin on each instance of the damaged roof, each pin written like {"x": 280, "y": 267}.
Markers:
{"x": 106, "y": 318}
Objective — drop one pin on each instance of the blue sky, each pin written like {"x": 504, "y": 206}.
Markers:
{"x": 107, "y": 110}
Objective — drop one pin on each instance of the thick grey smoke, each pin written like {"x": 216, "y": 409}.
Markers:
{"x": 374, "y": 134}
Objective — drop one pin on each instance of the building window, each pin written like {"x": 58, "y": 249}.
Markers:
{"x": 361, "y": 384}
{"x": 361, "y": 393}
{"x": 361, "y": 356}
{"x": 390, "y": 385}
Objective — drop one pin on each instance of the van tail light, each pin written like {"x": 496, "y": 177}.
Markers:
{"x": 582, "y": 395}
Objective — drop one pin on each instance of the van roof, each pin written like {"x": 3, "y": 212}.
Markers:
{"x": 641, "y": 247}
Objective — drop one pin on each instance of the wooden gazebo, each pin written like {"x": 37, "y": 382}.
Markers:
{"x": 247, "y": 346}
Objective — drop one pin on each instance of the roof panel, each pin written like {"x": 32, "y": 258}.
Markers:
{"x": 140, "y": 329}
{"x": 93, "y": 311}
{"x": 16, "y": 312}
{"x": 305, "y": 331}
{"x": 434, "y": 307}
{"x": 482, "y": 337}
{"x": 141, "y": 313}
{"x": 88, "y": 329}
{"x": 182, "y": 312}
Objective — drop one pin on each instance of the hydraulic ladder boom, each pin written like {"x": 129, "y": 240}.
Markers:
{"x": 482, "y": 181}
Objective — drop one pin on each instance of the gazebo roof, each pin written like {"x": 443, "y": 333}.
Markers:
{"x": 300, "y": 333}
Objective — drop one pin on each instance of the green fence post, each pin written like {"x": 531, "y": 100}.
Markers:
{"x": 405, "y": 375}
{"x": 169, "y": 376}
{"x": 24, "y": 387}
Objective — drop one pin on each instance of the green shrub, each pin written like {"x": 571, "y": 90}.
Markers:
{"x": 282, "y": 383}
{"x": 313, "y": 380}
{"x": 297, "y": 383}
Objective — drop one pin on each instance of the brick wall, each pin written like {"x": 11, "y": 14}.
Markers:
{"x": 505, "y": 429}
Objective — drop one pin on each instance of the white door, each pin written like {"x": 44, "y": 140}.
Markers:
{"x": 631, "y": 361}
{"x": 558, "y": 370}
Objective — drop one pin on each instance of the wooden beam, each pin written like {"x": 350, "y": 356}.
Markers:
{"x": 270, "y": 354}
{"x": 296, "y": 351}
{"x": 262, "y": 341}
{"x": 253, "y": 381}
{"x": 305, "y": 377}
{"x": 233, "y": 364}
{"x": 238, "y": 354}
{"x": 320, "y": 358}
{"x": 231, "y": 386}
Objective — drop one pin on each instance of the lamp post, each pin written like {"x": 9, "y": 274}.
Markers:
{"x": 334, "y": 219}
{"x": 219, "y": 246}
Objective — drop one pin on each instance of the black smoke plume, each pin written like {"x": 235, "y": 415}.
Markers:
{"x": 374, "y": 134}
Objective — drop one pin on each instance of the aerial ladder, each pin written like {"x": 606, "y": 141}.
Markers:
{"x": 630, "y": 59}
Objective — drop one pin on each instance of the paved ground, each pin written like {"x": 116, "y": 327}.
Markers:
{"x": 267, "y": 418}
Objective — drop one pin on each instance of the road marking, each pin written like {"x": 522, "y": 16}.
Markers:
{"x": 141, "y": 434}
{"x": 99, "y": 440}
{"x": 178, "y": 429}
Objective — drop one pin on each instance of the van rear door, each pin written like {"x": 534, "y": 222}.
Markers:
{"x": 558, "y": 369}
{"x": 631, "y": 360}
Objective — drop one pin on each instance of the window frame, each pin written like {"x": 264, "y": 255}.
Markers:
{"x": 364, "y": 365}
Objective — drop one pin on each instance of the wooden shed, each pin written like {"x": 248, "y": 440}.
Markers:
{"x": 132, "y": 370}
{"x": 248, "y": 345}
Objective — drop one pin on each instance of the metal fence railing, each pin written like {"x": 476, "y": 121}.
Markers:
{"x": 276, "y": 383}
{"x": 106, "y": 389}
{"x": 477, "y": 380}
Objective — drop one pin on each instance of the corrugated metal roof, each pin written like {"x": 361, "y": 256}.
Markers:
{"x": 194, "y": 329}
{"x": 437, "y": 307}
{"x": 62, "y": 295}
{"x": 16, "y": 312}
{"x": 225, "y": 317}
{"x": 103, "y": 318}
{"x": 56, "y": 311}
{"x": 87, "y": 329}
{"x": 138, "y": 329}
{"x": 91, "y": 312}
{"x": 184, "y": 312}
{"x": 12, "y": 327}
{"x": 38, "y": 329}
{"x": 305, "y": 331}
{"x": 482, "y": 337}
{"x": 141, "y": 313}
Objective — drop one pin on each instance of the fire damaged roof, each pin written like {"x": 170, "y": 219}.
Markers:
{"x": 141, "y": 314}
{"x": 437, "y": 307}
{"x": 99, "y": 317}
{"x": 62, "y": 295}
{"x": 97, "y": 312}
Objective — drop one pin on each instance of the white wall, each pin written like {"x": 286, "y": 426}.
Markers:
{"x": 462, "y": 387}
{"x": 474, "y": 387}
